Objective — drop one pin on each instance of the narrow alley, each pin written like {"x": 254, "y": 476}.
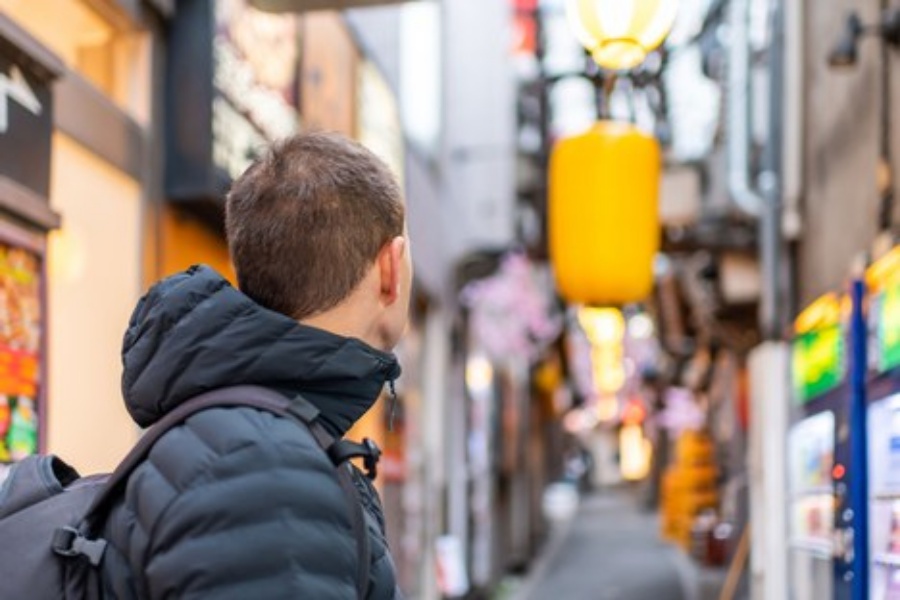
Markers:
{"x": 611, "y": 550}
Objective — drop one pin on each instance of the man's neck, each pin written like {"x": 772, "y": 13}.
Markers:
{"x": 347, "y": 321}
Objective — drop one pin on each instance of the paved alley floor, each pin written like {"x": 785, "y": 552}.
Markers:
{"x": 611, "y": 550}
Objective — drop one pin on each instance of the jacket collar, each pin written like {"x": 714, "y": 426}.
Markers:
{"x": 194, "y": 332}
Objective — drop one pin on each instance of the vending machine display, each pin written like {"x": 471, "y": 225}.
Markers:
{"x": 883, "y": 416}
{"x": 824, "y": 462}
{"x": 811, "y": 517}
{"x": 884, "y": 506}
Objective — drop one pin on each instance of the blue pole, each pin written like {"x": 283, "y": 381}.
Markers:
{"x": 859, "y": 480}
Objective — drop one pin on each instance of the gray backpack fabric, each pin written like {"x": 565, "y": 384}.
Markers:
{"x": 50, "y": 516}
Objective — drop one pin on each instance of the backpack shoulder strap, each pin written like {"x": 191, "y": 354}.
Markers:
{"x": 299, "y": 410}
{"x": 253, "y": 396}
{"x": 345, "y": 476}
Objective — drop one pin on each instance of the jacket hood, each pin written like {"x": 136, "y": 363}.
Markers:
{"x": 193, "y": 332}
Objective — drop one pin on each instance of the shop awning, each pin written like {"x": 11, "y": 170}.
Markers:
{"x": 307, "y": 5}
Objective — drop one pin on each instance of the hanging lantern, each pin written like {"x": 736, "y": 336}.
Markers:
{"x": 604, "y": 214}
{"x": 603, "y": 326}
{"x": 620, "y": 33}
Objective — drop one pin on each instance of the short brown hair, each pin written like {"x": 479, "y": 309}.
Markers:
{"x": 307, "y": 219}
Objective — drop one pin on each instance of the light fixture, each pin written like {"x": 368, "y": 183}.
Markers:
{"x": 479, "y": 374}
{"x": 635, "y": 452}
{"x": 844, "y": 53}
{"x": 605, "y": 329}
{"x": 640, "y": 326}
{"x": 603, "y": 325}
{"x": 620, "y": 34}
{"x": 603, "y": 214}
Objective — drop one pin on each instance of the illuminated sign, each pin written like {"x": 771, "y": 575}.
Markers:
{"x": 818, "y": 362}
{"x": 888, "y": 329}
{"x": 256, "y": 57}
{"x": 884, "y": 272}
{"x": 232, "y": 88}
{"x": 378, "y": 118}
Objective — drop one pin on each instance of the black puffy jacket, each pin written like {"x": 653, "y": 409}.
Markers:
{"x": 239, "y": 503}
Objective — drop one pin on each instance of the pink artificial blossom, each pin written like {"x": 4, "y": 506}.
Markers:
{"x": 511, "y": 316}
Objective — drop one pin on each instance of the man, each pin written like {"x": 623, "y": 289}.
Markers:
{"x": 237, "y": 502}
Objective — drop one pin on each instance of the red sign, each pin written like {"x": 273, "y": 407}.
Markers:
{"x": 524, "y": 26}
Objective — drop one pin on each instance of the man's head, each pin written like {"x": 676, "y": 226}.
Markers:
{"x": 316, "y": 230}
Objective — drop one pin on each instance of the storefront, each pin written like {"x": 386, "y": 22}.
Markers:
{"x": 27, "y": 72}
{"x": 75, "y": 163}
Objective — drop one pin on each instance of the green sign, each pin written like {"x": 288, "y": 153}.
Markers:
{"x": 889, "y": 329}
{"x": 817, "y": 362}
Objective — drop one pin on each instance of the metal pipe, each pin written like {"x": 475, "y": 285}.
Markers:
{"x": 742, "y": 193}
{"x": 792, "y": 155}
{"x": 771, "y": 245}
{"x": 764, "y": 205}
{"x": 792, "y": 164}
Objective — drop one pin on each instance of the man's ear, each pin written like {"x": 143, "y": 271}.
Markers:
{"x": 390, "y": 265}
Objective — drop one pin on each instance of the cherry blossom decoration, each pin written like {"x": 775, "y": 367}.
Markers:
{"x": 512, "y": 313}
{"x": 682, "y": 413}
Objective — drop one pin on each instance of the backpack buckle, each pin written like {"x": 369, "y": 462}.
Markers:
{"x": 68, "y": 541}
{"x": 367, "y": 450}
{"x": 370, "y": 459}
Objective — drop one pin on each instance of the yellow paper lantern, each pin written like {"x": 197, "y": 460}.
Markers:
{"x": 620, "y": 33}
{"x": 604, "y": 326}
{"x": 604, "y": 214}
{"x": 635, "y": 452}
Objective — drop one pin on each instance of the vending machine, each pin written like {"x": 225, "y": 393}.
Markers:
{"x": 883, "y": 394}
{"x": 822, "y": 479}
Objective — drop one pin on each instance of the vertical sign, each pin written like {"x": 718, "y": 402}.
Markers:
{"x": 232, "y": 86}
{"x": 256, "y": 57}
{"x": 20, "y": 344}
{"x": 378, "y": 119}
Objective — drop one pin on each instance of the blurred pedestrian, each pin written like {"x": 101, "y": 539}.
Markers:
{"x": 578, "y": 463}
{"x": 241, "y": 503}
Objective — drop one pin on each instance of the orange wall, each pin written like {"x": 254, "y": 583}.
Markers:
{"x": 183, "y": 240}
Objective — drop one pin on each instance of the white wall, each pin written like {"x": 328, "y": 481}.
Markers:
{"x": 479, "y": 126}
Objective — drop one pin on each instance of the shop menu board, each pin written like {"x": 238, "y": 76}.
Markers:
{"x": 811, "y": 451}
{"x": 20, "y": 347}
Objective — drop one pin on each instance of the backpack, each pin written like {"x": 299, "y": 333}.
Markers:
{"x": 51, "y": 517}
